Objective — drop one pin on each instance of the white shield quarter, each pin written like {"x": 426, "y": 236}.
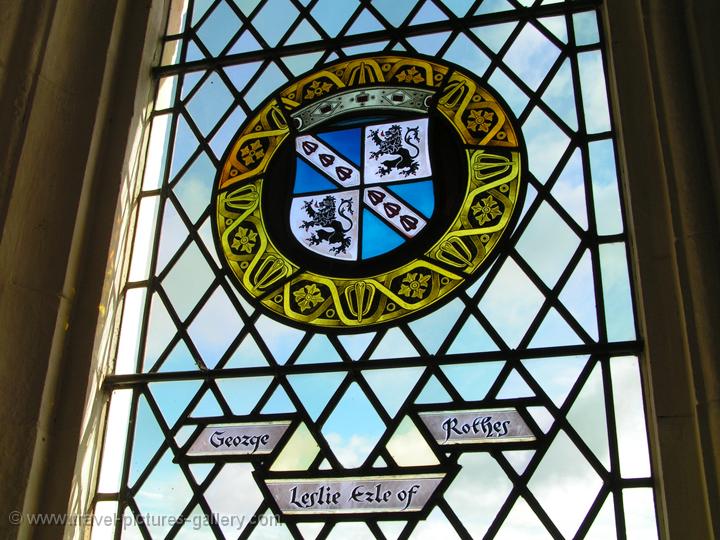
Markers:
{"x": 396, "y": 151}
{"x": 327, "y": 224}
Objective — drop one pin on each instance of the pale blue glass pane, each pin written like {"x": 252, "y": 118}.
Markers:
{"x": 569, "y": 190}
{"x": 161, "y": 329}
{"x": 395, "y": 11}
{"x": 209, "y": 103}
{"x": 548, "y": 244}
{"x": 471, "y": 338}
{"x": 240, "y": 74}
{"x": 509, "y": 91}
{"x": 279, "y": 402}
{"x": 193, "y": 52}
{"x": 546, "y": 144}
{"x": 184, "y": 145}
{"x": 433, "y": 329}
{"x": 173, "y": 397}
{"x": 586, "y": 28}
{"x": 356, "y": 344}
{"x": 393, "y": 345}
{"x": 302, "y": 63}
{"x": 616, "y": 291}
{"x": 179, "y": 359}
{"x": 434, "y": 392}
{"x": 566, "y": 506}
{"x": 477, "y": 509}
{"x": 187, "y": 281}
{"x": 511, "y": 303}
{"x": 429, "y": 43}
{"x": 274, "y": 20}
{"x": 303, "y": 33}
{"x": 587, "y": 416}
{"x": 223, "y": 136}
{"x": 560, "y": 95}
{"x": 189, "y": 81}
{"x": 332, "y": 15}
{"x": 248, "y": 354}
{"x": 630, "y": 417}
{"x": 245, "y": 43}
{"x": 233, "y": 492}
{"x": 578, "y": 296}
{"x": 458, "y": 7}
{"x": 495, "y": 36}
{"x": 199, "y": 9}
{"x": 594, "y": 93}
{"x": 166, "y": 477}
{"x": 531, "y": 56}
{"x": 218, "y": 28}
{"x": 195, "y": 186}
{"x": 393, "y": 386}
{"x": 368, "y": 48}
{"x": 556, "y": 376}
{"x": 606, "y": 196}
{"x": 554, "y": 331}
{"x": 366, "y": 22}
{"x": 514, "y": 387}
{"x": 353, "y": 428}
{"x": 604, "y": 525}
{"x": 207, "y": 406}
{"x": 315, "y": 390}
{"x": 640, "y": 518}
{"x": 247, "y": 6}
{"x": 493, "y": 6}
{"x": 557, "y": 26}
{"x": 282, "y": 340}
{"x": 146, "y": 442}
{"x": 318, "y": 351}
{"x": 242, "y": 395}
{"x": 473, "y": 381}
{"x": 465, "y": 53}
{"x": 428, "y": 13}
{"x": 271, "y": 79}
{"x": 215, "y": 327}
{"x": 172, "y": 234}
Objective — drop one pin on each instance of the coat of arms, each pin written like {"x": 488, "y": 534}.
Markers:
{"x": 362, "y": 191}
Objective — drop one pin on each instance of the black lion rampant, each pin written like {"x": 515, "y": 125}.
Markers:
{"x": 390, "y": 142}
{"x": 324, "y": 214}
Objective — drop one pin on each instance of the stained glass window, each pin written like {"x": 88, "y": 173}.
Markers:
{"x": 406, "y": 320}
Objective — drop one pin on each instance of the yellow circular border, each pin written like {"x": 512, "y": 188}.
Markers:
{"x": 494, "y": 164}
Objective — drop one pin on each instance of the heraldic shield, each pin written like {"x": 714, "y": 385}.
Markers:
{"x": 362, "y": 190}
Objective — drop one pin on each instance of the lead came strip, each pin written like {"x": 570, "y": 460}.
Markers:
{"x": 477, "y": 426}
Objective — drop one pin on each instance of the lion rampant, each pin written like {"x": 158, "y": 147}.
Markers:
{"x": 390, "y": 142}
{"x": 324, "y": 214}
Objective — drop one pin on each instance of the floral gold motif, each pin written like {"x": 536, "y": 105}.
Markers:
{"x": 487, "y": 211}
{"x": 308, "y": 297}
{"x": 480, "y": 120}
{"x": 414, "y": 285}
{"x": 244, "y": 240}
